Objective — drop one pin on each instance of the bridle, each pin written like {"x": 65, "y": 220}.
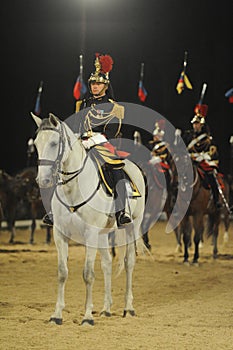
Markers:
{"x": 56, "y": 166}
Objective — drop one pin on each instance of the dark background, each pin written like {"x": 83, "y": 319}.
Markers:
{"x": 42, "y": 40}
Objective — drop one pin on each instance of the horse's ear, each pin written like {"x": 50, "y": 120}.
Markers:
{"x": 53, "y": 119}
{"x": 37, "y": 120}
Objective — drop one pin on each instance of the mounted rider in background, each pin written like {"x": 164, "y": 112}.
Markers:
{"x": 203, "y": 150}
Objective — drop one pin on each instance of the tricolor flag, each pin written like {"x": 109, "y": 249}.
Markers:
{"x": 79, "y": 88}
{"x": 142, "y": 93}
{"x": 229, "y": 95}
{"x": 182, "y": 82}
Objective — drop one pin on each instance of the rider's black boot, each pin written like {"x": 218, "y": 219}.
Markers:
{"x": 48, "y": 219}
{"x": 122, "y": 217}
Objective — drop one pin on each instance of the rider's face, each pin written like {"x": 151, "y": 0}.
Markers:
{"x": 98, "y": 89}
{"x": 197, "y": 126}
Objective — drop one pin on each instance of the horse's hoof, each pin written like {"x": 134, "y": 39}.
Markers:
{"x": 87, "y": 322}
{"x": 131, "y": 312}
{"x": 56, "y": 320}
{"x": 186, "y": 263}
{"x": 195, "y": 263}
{"x": 105, "y": 313}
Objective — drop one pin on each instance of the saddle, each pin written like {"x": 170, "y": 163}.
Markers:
{"x": 108, "y": 183}
{"x": 159, "y": 169}
{"x": 105, "y": 158}
{"x": 205, "y": 181}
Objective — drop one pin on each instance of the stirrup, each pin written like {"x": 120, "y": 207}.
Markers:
{"x": 48, "y": 219}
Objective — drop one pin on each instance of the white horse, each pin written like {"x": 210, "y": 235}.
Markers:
{"x": 84, "y": 212}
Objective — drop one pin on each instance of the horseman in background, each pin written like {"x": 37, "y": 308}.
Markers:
{"x": 203, "y": 150}
{"x": 98, "y": 121}
{"x": 160, "y": 153}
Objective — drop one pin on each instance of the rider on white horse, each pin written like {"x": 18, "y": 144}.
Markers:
{"x": 99, "y": 125}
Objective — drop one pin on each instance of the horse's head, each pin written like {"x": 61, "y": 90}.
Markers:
{"x": 53, "y": 143}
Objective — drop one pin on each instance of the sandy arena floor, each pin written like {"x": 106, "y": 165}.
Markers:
{"x": 177, "y": 307}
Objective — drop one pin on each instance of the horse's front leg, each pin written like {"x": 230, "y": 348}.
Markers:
{"x": 198, "y": 224}
{"x": 12, "y": 232}
{"x": 89, "y": 277}
{"x": 33, "y": 227}
{"x": 62, "y": 250}
{"x": 129, "y": 267}
{"x": 106, "y": 265}
{"x": 186, "y": 229}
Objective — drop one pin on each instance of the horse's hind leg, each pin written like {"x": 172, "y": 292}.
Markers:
{"x": 62, "y": 251}
{"x": 106, "y": 265}
{"x": 89, "y": 277}
{"x": 129, "y": 267}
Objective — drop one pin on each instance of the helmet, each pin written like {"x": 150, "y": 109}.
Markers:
{"x": 103, "y": 65}
{"x": 200, "y": 114}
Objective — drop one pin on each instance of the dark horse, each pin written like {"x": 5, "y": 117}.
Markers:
{"x": 8, "y": 202}
{"x": 20, "y": 200}
{"x": 27, "y": 187}
{"x": 201, "y": 204}
{"x": 161, "y": 189}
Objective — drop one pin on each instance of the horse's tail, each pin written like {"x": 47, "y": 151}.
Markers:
{"x": 122, "y": 246}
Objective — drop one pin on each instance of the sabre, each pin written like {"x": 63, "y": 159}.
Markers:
{"x": 222, "y": 194}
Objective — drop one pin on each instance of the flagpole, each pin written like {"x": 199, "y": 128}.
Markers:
{"x": 142, "y": 71}
{"x": 81, "y": 66}
{"x": 142, "y": 93}
{"x": 39, "y": 92}
{"x": 40, "y": 87}
{"x": 185, "y": 61}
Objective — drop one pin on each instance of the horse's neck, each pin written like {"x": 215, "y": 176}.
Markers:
{"x": 75, "y": 152}
{"x": 197, "y": 180}
{"x": 79, "y": 167}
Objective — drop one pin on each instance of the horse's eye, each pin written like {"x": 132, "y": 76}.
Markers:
{"x": 53, "y": 144}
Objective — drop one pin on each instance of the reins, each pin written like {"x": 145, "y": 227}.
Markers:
{"x": 56, "y": 165}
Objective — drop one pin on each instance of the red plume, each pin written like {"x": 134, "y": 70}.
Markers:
{"x": 201, "y": 109}
{"x": 106, "y": 62}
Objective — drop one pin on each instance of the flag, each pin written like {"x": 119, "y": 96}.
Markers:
{"x": 79, "y": 88}
{"x": 142, "y": 93}
{"x": 182, "y": 82}
{"x": 37, "y": 109}
{"x": 229, "y": 95}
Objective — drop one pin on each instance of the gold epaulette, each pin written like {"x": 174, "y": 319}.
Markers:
{"x": 118, "y": 110}
{"x": 78, "y": 105}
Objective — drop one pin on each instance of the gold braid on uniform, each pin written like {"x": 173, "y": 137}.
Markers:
{"x": 103, "y": 117}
